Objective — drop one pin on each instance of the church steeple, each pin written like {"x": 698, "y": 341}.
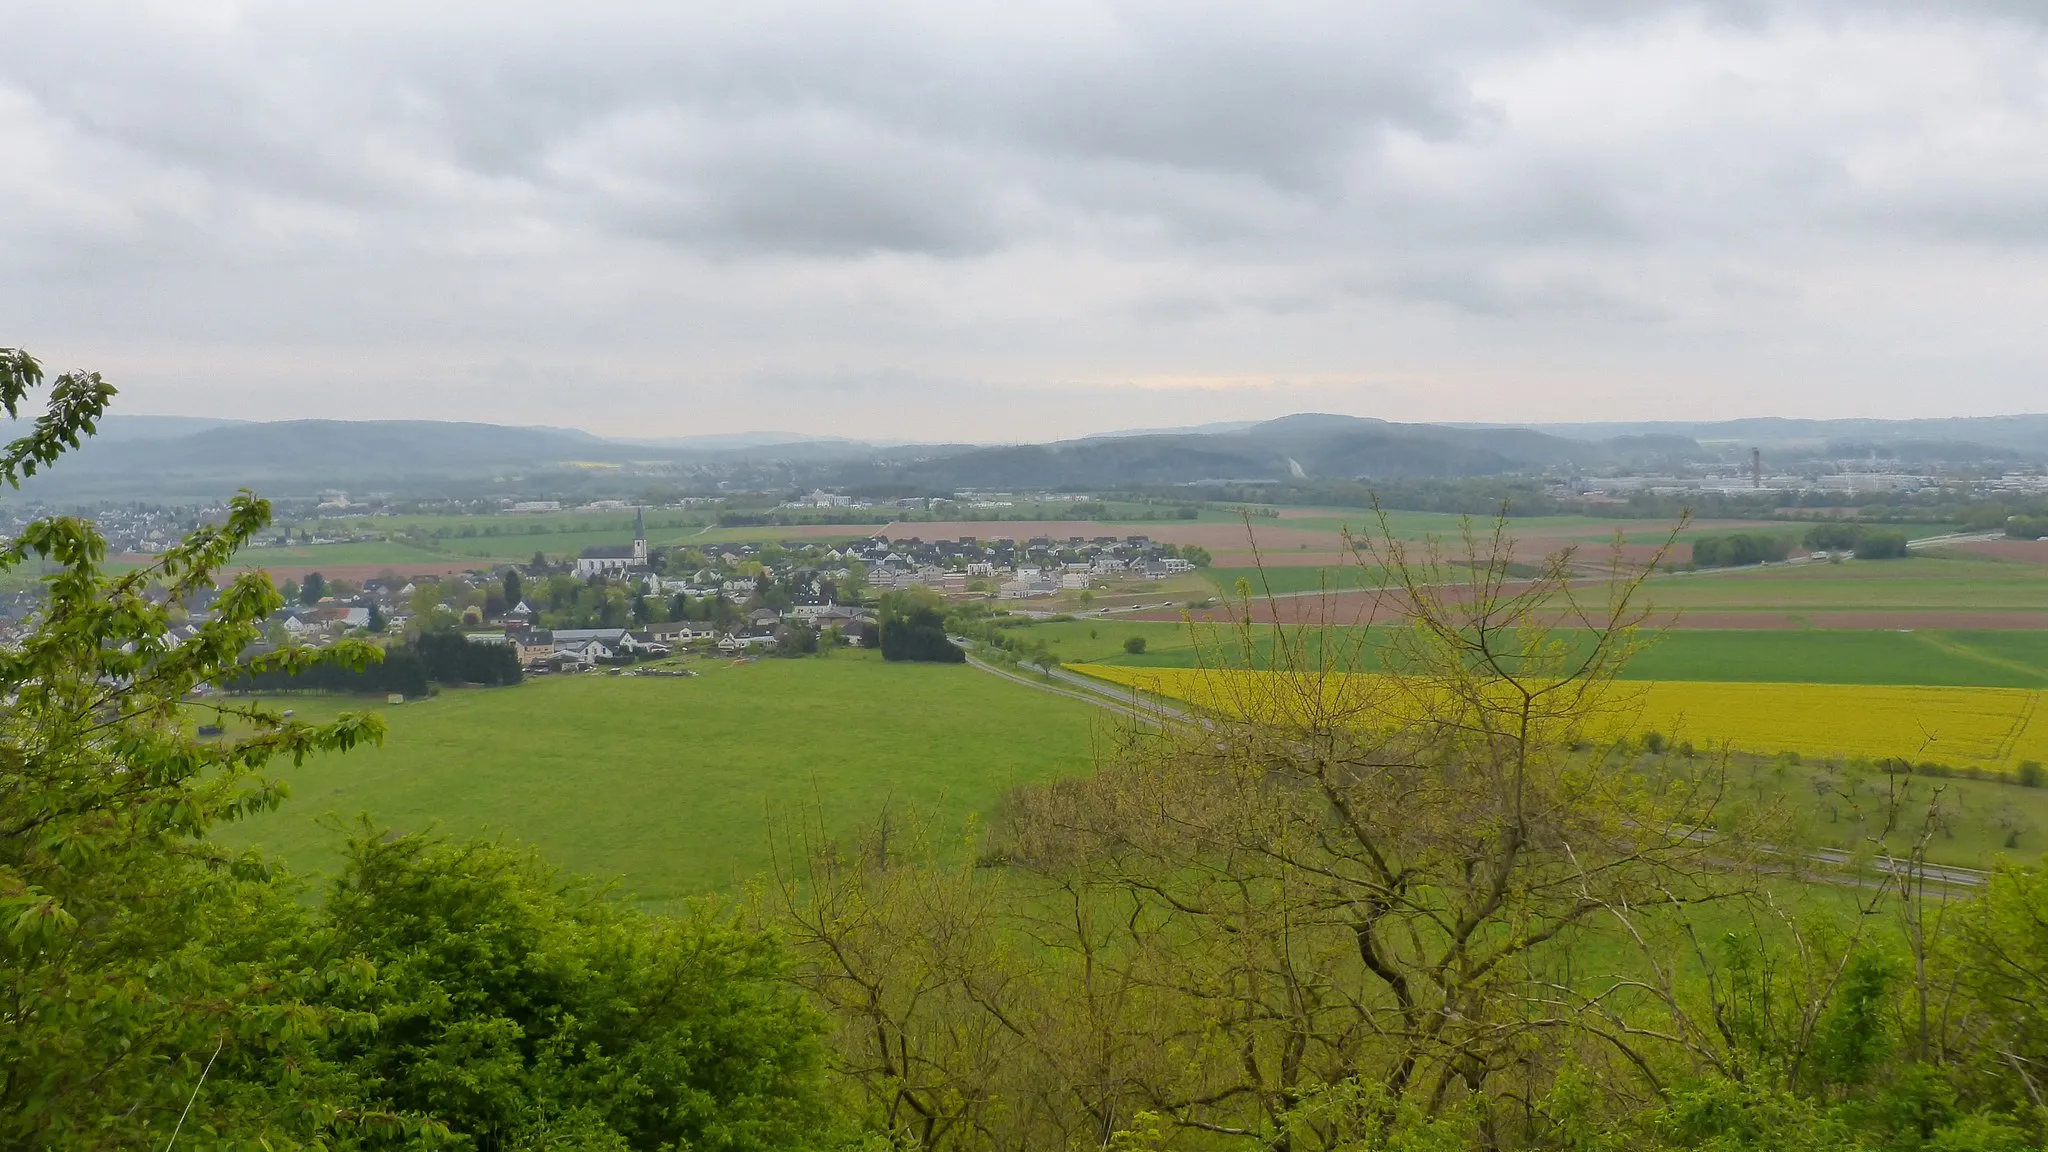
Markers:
{"x": 639, "y": 536}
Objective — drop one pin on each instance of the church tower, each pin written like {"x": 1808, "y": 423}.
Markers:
{"x": 639, "y": 539}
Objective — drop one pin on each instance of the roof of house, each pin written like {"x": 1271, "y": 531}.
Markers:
{"x": 579, "y": 635}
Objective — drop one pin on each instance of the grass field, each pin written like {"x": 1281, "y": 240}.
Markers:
{"x": 672, "y": 784}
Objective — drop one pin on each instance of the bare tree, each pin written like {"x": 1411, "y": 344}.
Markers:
{"x": 1368, "y": 862}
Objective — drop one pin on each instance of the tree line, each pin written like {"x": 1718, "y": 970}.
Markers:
{"x": 411, "y": 667}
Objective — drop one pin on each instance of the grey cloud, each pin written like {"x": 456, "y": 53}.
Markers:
{"x": 1072, "y": 189}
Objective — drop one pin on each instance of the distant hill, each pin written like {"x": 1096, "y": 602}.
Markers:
{"x": 303, "y": 455}
{"x": 119, "y": 427}
{"x": 1309, "y": 445}
{"x": 2026, "y": 433}
{"x": 183, "y": 457}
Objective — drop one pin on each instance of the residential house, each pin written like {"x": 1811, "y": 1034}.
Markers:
{"x": 535, "y": 646}
{"x": 681, "y": 632}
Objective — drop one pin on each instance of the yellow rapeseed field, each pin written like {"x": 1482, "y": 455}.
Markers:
{"x": 1960, "y": 727}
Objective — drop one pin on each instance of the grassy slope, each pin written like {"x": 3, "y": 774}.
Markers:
{"x": 669, "y": 783}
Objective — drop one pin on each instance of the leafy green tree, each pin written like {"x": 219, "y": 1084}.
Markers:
{"x": 313, "y": 589}
{"x": 1134, "y": 645}
{"x": 1999, "y": 960}
{"x": 796, "y": 639}
{"x": 523, "y": 1009}
{"x": 158, "y": 990}
{"x": 136, "y": 951}
{"x": 515, "y": 588}
{"x": 918, "y": 634}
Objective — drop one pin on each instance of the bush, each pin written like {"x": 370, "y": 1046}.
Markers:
{"x": 2031, "y": 774}
{"x": 1739, "y": 549}
{"x": 1885, "y": 545}
{"x": 1135, "y": 645}
{"x": 1833, "y": 537}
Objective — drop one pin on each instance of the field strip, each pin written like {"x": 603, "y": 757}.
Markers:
{"x": 1993, "y": 729}
{"x": 1954, "y": 648}
{"x": 1838, "y": 868}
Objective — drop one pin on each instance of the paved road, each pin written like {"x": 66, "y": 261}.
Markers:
{"x": 1061, "y": 682}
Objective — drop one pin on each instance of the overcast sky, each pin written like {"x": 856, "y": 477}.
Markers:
{"x": 1018, "y": 221}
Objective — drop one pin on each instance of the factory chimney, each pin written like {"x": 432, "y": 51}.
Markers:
{"x": 1756, "y": 468}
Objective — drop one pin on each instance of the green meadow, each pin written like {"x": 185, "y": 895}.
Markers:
{"x": 674, "y": 785}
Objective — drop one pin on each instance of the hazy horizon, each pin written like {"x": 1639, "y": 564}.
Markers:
{"x": 924, "y": 222}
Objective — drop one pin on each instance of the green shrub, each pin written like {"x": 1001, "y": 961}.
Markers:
{"x": 1135, "y": 645}
{"x": 1881, "y": 546}
{"x": 1737, "y": 549}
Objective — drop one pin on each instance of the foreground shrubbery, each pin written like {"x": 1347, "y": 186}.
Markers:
{"x": 155, "y": 988}
{"x": 1419, "y": 911}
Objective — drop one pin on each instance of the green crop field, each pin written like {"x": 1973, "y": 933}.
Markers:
{"x": 1445, "y": 525}
{"x": 672, "y": 785}
{"x": 1915, "y": 583}
{"x": 1963, "y": 659}
{"x": 357, "y": 553}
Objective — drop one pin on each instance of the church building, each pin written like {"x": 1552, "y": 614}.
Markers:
{"x": 614, "y": 559}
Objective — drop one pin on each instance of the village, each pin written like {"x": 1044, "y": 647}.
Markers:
{"x": 622, "y": 604}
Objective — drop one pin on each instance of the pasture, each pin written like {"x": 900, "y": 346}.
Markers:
{"x": 673, "y": 785}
